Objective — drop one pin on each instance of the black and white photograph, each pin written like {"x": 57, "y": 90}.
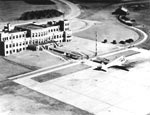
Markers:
{"x": 74, "y": 57}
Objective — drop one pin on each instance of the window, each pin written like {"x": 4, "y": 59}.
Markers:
{"x": 10, "y": 45}
{"x": 26, "y": 42}
{"x": 20, "y": 44}
{"x": 10, "y": 52}
{"x": 16, "y": 36}
{"x": 13, "y": 50}
{"x": 66, "y": 28}
{"x": 13, "y": 37}
{"x": 20, "y": 36}
{"x": 16, "y": 44}
{"x": 13, "y": 45}
{"x": 6, "y": 52}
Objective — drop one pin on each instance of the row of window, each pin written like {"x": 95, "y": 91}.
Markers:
{"x": 66, "y": 29}
{"x": 55, "y": 36}
{"x": 15, "y": 50}
{"x": 44, "y": 40}
{"x": 44, "y": 33}
{"x": 33, "y": 42}
{"x": 16, "y": 44}
{"x": 66, "y": 24}
{"x": 13, "y": 37}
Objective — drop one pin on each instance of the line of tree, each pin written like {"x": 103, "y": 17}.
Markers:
{"x": 130, "y": 40}
{"x": 40, "y": 2}
{"x": 40, "y": 14}
{"x": 90, "y": 1}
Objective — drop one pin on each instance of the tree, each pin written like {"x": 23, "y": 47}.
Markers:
{"x": 122, "y": 42}
{"x": 105, "y": 40}
{"x": 40, "y": 14}
{"x": 114, "y": 42}
{"x": 129, "y": 40}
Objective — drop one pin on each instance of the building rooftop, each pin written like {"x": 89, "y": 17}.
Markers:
{"x": 124, "y": 9}
{"x": 11, "y": 31}
{"x": 30, "y": 26}
{"x": 33, "y": 26}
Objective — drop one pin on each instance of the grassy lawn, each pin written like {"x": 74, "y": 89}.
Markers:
{"x": 140, "y": 12}
{"x": 109, "y": 31}
{"x": 124, "y": 53}
{"x": 9, "y": 69}
{"x": 25, "y": 62}
{"x": 61, "y": 72}
{"x": 36, "y": 59}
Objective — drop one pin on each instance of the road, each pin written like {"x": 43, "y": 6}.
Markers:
{"x": 74, "y": 12}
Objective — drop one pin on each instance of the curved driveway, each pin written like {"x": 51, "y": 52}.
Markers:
{"x": 74, "y": 12}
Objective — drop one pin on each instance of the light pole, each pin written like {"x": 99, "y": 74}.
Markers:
{"x": 96, "y": 44}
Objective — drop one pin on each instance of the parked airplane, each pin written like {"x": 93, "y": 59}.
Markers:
{"x": 117, "y": 63}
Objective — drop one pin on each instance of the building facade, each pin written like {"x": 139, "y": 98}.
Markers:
{"x": 18, "y": 38}
{"x": 121, "y": 11}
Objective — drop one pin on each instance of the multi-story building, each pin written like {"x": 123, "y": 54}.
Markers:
{"x": 18, "y": 38}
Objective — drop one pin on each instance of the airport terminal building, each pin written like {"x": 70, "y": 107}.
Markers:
{"x": 18, "y": 38}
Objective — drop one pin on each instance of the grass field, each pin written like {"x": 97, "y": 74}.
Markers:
{"x": 109, "y": 31}
{"x": 140, "y": 12}
{"x": 124, "y": 53}
{"x": 9, "y": 69}
{"x": 60, "y": 73}
{"x": 37, "y": 59}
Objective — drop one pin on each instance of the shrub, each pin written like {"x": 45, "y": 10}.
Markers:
{"x": 40, "y": 14}
{"x": 105, "y": 41}
{"x": 129, "y": 40}
{"x": 114, "y": 42}
{"x": 122, "y": 42}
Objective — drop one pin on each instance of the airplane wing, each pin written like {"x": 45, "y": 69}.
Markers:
{"x": 117, "y": 62}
